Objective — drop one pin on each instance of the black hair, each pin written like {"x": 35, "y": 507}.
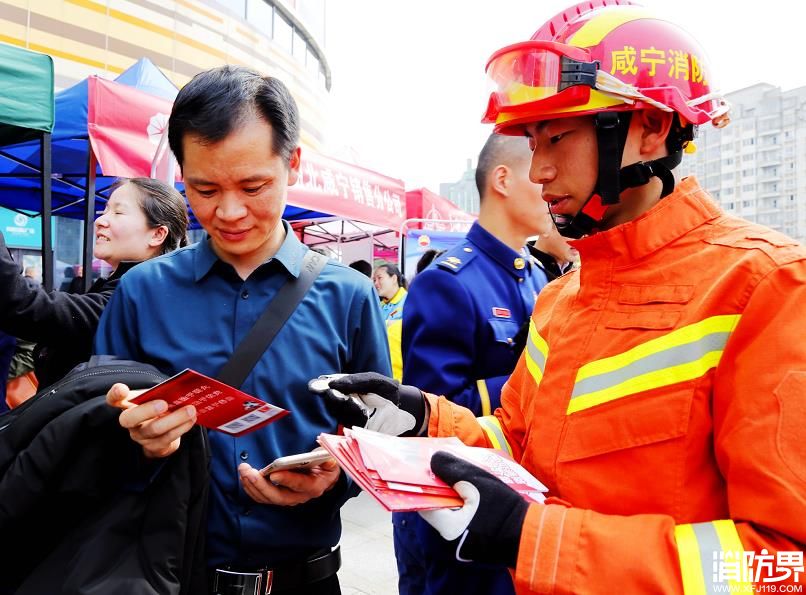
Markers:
{"x": 362, "y": 266}
{"x": 427, "y": 258}
{"x": 393, "y": 271}
{"x": 162, "y": 205}
{"x": 499, "y": 149}
{"x": 215, "y": 102}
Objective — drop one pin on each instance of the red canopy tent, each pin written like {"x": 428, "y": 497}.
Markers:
{"x": 426, "y": 210}
{"x": 126, "y": 126}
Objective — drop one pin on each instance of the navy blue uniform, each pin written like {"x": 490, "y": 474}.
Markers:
{"x": 459, "y": 327}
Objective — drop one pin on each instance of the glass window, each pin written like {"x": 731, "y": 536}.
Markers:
{"x": 259, "y": 14}
{"x": 283, "y": 32}
{"x": 300, "y": 47}
{"x": 312, "y": 63}
{"x": 236, "y": 6}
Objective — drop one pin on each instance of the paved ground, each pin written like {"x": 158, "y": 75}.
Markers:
{"x": 368, "y": 558}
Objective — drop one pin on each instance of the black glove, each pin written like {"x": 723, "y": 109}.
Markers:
{"x": 519, "y": 340}
{"x": 491, "y": 520}
{"x": 374, "y": 401}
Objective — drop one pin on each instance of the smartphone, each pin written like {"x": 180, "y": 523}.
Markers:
{"x": 300, "y": 461}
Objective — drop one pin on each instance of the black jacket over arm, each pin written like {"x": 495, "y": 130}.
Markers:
{"x": 62, "y": 324}
{"x": 82, "y": 512}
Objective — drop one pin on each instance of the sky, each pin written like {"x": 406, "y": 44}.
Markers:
{"x": 408, "y": 76}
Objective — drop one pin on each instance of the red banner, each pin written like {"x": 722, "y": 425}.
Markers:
{"x": 343, "y": 190}
{"x": 424, "y": 204}
{"x": 125, "y": 126}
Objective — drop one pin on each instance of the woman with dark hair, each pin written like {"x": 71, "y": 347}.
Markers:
{"x": 143, "y": 218}
{"x": 391, "y": 287}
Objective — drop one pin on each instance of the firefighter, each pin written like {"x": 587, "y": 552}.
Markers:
{"x": 662, "y": 393}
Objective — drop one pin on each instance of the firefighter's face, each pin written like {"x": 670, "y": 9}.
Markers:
{"x": 564, "y": 161}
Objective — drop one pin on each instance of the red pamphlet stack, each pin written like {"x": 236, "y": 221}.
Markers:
{"x": 397, "y": 471}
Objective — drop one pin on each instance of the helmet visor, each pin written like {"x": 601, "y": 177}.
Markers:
{"x": 534, "y": 71}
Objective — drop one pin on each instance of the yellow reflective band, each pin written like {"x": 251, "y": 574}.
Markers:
{"x": 689, "y": 554}
{"x": 686, "y": 334}
{"x": 592, "y": 32}
{"x": 484, "y": 395}
{"x": 492, "y": 427}
{"x": 669, "y": 376}
{"x": 730, "y": 542}
{"x": 683, "y": 354}
{"x": 537, "y": 352}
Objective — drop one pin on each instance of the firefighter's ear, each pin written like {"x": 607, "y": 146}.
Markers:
{"x": 654, "y": 126}
{"x": 500, "y": 179}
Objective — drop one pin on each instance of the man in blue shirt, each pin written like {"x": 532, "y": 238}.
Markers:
{"x": 235, "y": 135}
{"x": 462, "y": 338}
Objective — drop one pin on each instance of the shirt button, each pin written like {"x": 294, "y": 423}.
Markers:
{"x": 244, "y": 455}
{"x": 247, "y": 511}
{"x": 520, "y": 280}
{"x": 245, "y": 294}
{"x": 468, "y": 249}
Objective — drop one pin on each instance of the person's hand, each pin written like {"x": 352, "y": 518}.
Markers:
{"x": 490, "y": 521}
{"x": 373, "y": 401}
{"x": 289, "y": 488}
{"x": 157, "y": 432}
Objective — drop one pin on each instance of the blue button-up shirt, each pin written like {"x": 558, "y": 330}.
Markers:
{"x": 189, "y": 309}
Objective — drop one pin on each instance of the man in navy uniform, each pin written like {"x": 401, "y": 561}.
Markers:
{"x": 462, "y": 338}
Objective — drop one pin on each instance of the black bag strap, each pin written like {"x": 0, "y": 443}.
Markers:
{"x": 279, "y": 310}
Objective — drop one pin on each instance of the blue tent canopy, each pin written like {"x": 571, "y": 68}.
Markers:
{"x": 19, "y": 177}
{"x": 19, "y": 170}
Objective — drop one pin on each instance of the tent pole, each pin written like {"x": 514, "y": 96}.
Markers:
{"x": 47, "y": 236}
{"x": 89, "y": 218}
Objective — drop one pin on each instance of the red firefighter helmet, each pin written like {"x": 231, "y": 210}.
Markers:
{"x": 604, "y": 55}
{"x": 607, "y": 59}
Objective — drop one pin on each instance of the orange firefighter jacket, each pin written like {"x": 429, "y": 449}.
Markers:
{"x": 662, "y": 398}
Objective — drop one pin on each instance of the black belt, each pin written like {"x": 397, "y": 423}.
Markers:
{"x": 237, "y": 580}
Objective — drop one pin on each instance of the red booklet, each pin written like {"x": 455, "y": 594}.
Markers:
{"x": 218, "y": 406}
{"x": 397, "y": 471}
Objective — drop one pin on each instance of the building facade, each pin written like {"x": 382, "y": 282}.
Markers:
{"x": 463, "y": 193}
{"x": 283, "y": 38}
{"x": 756, "y": 166}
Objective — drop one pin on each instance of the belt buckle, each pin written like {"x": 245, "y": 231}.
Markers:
{"x": 249, "y": 582}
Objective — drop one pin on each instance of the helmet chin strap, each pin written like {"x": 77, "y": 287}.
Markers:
{"x": 611, "y": 135}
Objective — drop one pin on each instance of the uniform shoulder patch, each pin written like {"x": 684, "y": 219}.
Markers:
{"x": 456, "y": 258}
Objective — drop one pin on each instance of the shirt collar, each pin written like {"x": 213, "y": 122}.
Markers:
{"x": 399, "y": 295}
{"x": 688, "y": 207}
{"x": 289, "y": 255}
{"x": 505, "y": 256}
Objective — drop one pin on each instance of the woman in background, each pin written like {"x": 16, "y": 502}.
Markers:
{"x": 142, "y": 219}
{"x": 391, "y": 287}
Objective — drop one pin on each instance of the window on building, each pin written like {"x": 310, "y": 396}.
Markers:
{"x": 259, "y": 14}
{"x": 749, "y": 141}
{"x": 283, "y": 32}
{"x": 748, "y": 157}
{"x": 748, "y": 187}
{"x": 745, "y": 204}
{"x": 236, "y": 6}
{"x": 746, "y": 173}
{"x": 300, "y": 47}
